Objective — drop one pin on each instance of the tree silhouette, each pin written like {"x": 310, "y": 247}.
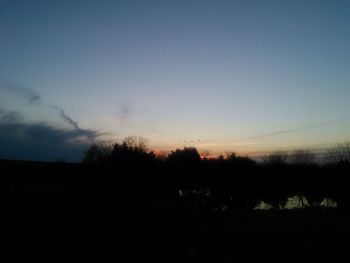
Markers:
{"x": 340, "y": 154}
{"x": 97, "y": 153}
{"x": 235, "y": 160}
{"x": 276, "y": 159}
{"x": 132, "y": 149}
{"x": 187, "y": 155}
{"x": 301, "y": 157}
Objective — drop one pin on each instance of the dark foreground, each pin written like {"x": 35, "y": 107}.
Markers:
{"x": 64, "y": 212}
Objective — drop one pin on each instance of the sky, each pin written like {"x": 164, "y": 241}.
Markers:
{"x": 248, "y": 76}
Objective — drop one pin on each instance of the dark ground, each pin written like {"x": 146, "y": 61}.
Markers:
{"x": 69, "y": 212}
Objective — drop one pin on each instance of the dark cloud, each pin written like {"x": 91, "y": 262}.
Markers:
{"x": 9, "y": 116}
{"x": 33, "y": 97}
{"x": 287, "y": 131}
{"x": 40, "y": 141}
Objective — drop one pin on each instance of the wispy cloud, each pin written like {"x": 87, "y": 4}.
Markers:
{"x": 292, "y": 130}
{"x": 65, "y": 117}
{"x": 34, "y": 97}
{"x": 30, "y": 95}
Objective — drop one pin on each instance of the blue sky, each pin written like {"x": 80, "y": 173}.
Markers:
{"x": 219, "y": 75}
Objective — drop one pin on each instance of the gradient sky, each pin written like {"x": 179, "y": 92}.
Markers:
{"x": 245, "y": 76}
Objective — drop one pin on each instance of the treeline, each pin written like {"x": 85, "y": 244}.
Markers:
{"x": 135, "y": 176}
{"x": 185, "y": 179}
{"x": 135, "y": 149}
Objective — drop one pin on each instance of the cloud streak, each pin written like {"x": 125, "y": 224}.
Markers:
{"x": 302, "y": 128}
{"x": 30, "y": 95}
{"x": 33, "y": 97}
{"x": 65, "y": 117}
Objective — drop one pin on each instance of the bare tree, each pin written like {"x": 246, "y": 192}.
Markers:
{"x": 301, "y": 157}
{"x": 135, "y": 143}
{"x": 276, "y": 158}
{"x": 97, "y": 153}
{"x": 130, "y": 141}
{"x": 339, "y": 154}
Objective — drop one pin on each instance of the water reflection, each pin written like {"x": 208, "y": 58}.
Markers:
{"x": 298, "y": 202}
{"x": 224, "y": 200}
